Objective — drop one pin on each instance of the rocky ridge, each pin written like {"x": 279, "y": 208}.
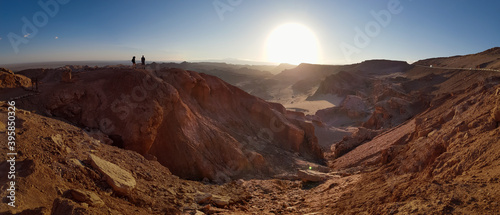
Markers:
{"x": 195, "y": 124}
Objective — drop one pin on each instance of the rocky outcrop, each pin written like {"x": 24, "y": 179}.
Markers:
{"x": 202, "y": 198}
{"x": 221, "y": 201}
{"x": 119, "y": 179}
{"x": 86, "y": 196}
{"x": 195, "y": 124}
{"x": 66, "y": 206}
{"x": 495, "y": 114}
{"x": 10, "y": 80}
{"x": 216, "y": 200}
{"x": 354, "y": 106}
{"x": 393, "y": 111}
{"x": 311, "y": 176}
{"x": 347, "y": 144}
{"x": 343, "y": 84}
{"x": 4, "y": 70}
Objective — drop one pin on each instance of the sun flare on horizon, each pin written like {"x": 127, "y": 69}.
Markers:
{"x": 292, "y": 43}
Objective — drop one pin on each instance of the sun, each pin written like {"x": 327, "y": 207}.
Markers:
{"x": 292, "y": 43}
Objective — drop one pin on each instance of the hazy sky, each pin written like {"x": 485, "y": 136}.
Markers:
{"x": 61, "y": 30}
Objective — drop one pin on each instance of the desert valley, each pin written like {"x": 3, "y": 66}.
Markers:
{"x": 376, "y": 137}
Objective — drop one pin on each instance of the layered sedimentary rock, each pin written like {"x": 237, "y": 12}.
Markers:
{"x": 195, "y": 124}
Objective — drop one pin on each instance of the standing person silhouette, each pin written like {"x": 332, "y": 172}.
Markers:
{"x": 133, "y": 62}
{"x": 143, "y": 61}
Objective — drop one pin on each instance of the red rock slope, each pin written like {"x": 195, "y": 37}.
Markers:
{"x": 195, "y": 124}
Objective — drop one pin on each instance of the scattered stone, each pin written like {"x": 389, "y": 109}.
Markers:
{"x": 76, "y": 162}
{"x": 68, "y": 207}
{"x": 220, "y": 201}
{"x": 119, "y": 179}
{"x": 321, "y": 168}
{"x": 432, "y": 133}
{"x": 6, "y": 70}
{"x": 240, "y": 182}
{"x": 425, "y": 132}
{"x": 311, "y": 175}
{"x": 202, "y": 198}
{"x": 95, "y": 144}
{"x": 197, "y": 212}
{"x": 87, "y": 197}
{"x": 206, "y": 209}
{"x": 57, "y": 139}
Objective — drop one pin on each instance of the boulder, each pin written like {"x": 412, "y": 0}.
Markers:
{"x": 68, "y": 207}
{"x": 75, "y": 162}
{"x": 57, "y": 139}
{"x": 197, "y": 212}
{"x": 354, "y": 106}
{"x": 311, "y": 176}
{"x": 202, "y": 198}
{"x": 221, "y": 201}
{"x": 86, "y": 196}
{"x": 119, "y": 179}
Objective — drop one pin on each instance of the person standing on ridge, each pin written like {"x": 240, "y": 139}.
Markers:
{"x": 143, "y": 61}
{"x": 133, "y": 62}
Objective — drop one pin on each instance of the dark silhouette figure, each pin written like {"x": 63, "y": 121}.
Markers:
{"x": 34, "y": 84}
{"x": 143, "y": 60}
{"x": 133, "y": 62}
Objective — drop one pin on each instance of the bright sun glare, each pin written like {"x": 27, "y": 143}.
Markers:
{"x": 292, "y": 43}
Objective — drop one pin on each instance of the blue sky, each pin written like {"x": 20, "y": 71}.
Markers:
{"x": 193, "y": 30}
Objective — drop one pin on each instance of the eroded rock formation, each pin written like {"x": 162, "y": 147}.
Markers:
{"x": 195, "y": 124}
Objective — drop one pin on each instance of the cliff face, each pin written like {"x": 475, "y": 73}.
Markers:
{"x": 195, "y": 124}
{"x": 10, "y": 80}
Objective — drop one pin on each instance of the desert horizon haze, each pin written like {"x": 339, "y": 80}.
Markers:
{"x": 249, "y": 107}
{"x": 323, "y": 32}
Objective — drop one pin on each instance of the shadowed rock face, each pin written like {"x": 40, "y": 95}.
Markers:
{"x": 195, "y": 124}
